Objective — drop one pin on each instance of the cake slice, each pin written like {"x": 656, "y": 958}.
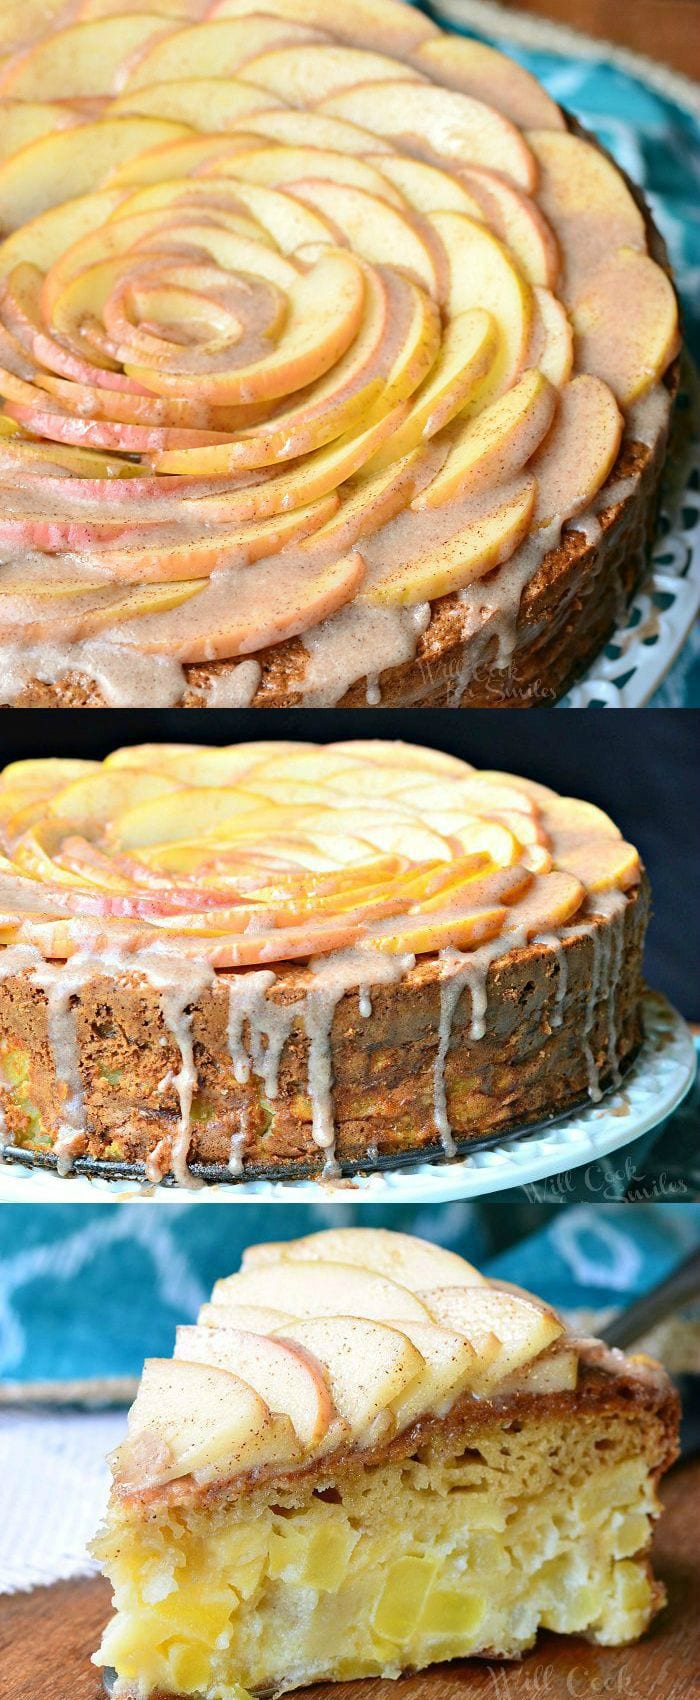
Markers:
{"x": 366, "y": 1458}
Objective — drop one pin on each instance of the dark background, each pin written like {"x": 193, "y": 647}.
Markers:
{"x": 642, "y": 767}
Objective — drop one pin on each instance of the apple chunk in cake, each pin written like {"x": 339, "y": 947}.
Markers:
{"x": 308, "y": 1494}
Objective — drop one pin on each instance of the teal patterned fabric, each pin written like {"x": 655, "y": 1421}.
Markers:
{"x": 89, "y": 1291}
{"x": 657, "y": 142}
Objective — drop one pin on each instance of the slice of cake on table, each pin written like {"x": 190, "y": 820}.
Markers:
{"x": 365, "y": 1458}
{"x": 272, "y": 960}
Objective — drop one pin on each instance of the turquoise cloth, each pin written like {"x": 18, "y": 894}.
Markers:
{"x": 657, "y": 142}
{"x": 90, "y": 1290}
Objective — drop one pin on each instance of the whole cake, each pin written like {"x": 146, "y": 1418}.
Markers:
{"x": 336, "y": 362}
{"x": 366, "y": 1457}
{"x": 280, "y": 959}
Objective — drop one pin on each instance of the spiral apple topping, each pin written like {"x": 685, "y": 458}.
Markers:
{"x": 296, "y": 313}
{"x": 267, "y": 853}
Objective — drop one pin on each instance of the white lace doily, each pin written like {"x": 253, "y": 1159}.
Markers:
{"x": 55, "y": 1485}
{"x": 657, "y": 1083}
{"x": 660, "y": 617}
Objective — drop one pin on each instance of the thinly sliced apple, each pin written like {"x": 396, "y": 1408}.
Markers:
{"x": 289, "y": 1382}
{"x": 345, "y": 1290}
{"x": 580, "y": 451}
{"x": 387, "y": 25}
{"x": 23, "y": 121}
{"x": 426, "y": 189}
{"x": 369, "y": 1367}
{"x": 177, "y": 9}
{"x": 182, "y": 158}
{"x": 216, "y": 48}
{"x": 469, "y": 554}
{"x": 22, "y": 20}
{"x": 601, "y": 867}
{"x": 324, "y": 313}
{"x": 451, "y": 1365}
{"x": 305, "y": 76}
{"x": 37, "y": 177}
{"x": 439, "y": 122}
{"x": 43, "y": 240}
{"x": 189, "y": 1417}
{"x": 495, "y": 446}
{"x": 551, "y": 345}
{"x": 376, "y": 230}
{"x": 223, "y": 626}
{"x": 313, "y": 477}
{"x": 195, "y": 557}
{"x": 586, "y": 200}
{"x": 202, "y": 102}
{"x": 552, "y": 900}
{"x": 412, "y": 1262}
{"x": 626, "y": 324}
{"x": 280, "y": 165}
{"x": 482, "y": 274}
{"x": 100, "y": 795}
{"x": 523, "y": 1327}
{"x": 82, "y": 60}
{"x": 256, "y": 1319}
{"x": 483, "y": 72}
{"x": 299, "y": 129}
{"x": 438, "y": 932}
{"x": 516, "y": 218}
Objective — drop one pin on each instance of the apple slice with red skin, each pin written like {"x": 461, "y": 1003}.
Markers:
{"x": 35, "y": 178}
{"x": 495, "y": 446}
{"x": 551, "y": 343}
{"x": 516, "y": 219}
{"x": 440, "y": 124}
{"x": 481, "y": 71}
{"x": 580, "y": 451}
{"x": 190, "y": 1417}
{"x": 288, "y": 1381}
{"x": 83, "y": 59}
{"x": 387, "y": 26}
{"x": 189, "y": 558}
{"x": 412, "y": 1262}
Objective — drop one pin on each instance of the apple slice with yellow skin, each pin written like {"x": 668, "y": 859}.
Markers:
{"x": 439, "y": 932}
{"x": 480, "y": 546}
{"x": 553, "y": 899}
{"x": 81, "y": 622}
{"x": 43, "y": 240}
{"x": 290, "y": 225}
{"x": 602, "y": 867}
{"x": 97, "y": 797}
{"x": 305, "y": 76}
{"x": 483, "y": 72}
{"x": 517, "y": 220}
{"x": 221, "y": 630}
{"x": 176, "y": 9}
{"x": 183, "y": 158}
{"x": 81, "y": 60}
{"x": 204, "y": 810}
{"x": 387, "y": 25}
{"x": 324, "y": 313}
{"x": 568, "y": 815}
{"x": 345, "y": 1290}
{"x": 439, "y": 122}
{"x": 522, "y": 1326}
{"x": 374, "y": 229}
{"x": 368, "y": 1365}
{"x": 212, "y": 49}
{"x": 191, "y": 1417}
{"x": 278, "y": 166}
{"x": 197, "y": 557}
{"x": 580, "y": 451}
{"x": 450, "y": 1365}
{"x": 292, "y": 128}
{"x": 23, "y": 121}
{"x": 192, "y": 101}
{"x": 626, "y": 324}
{"x": 36, "y": 178}
{"x": 551, "y": 344}
{"x": 22, "y": 20}
{"x": 368, "y": 501}
{"x": 290, "y": 1383}
{"x": 8, "y": 427}
{"x": 425, "y": 188}
{"x": 482, "y": 274}
{"x": 331, "y": 407}
{"x": 412, "y": 1262}
{"x": 586, "y": 200}
{"x": 295, "y": 486}
{"x": 34, "y": 458}
{"x": 495, "y": 446}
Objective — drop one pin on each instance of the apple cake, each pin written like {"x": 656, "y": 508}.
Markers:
{"x": 285, "y": 959}
{"x": 335, "y": 362}
{"x": 364, "y": 1458}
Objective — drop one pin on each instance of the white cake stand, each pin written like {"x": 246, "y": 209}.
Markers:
{"x": 657, "y": 1083}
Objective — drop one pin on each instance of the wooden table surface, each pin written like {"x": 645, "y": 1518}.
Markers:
{"x": 666, "y": 30}
{"x": 46, "y": 1639}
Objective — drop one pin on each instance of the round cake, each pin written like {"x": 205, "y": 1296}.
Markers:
{"x": 335, "y": 363}
{"x": 286, "y": 959}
